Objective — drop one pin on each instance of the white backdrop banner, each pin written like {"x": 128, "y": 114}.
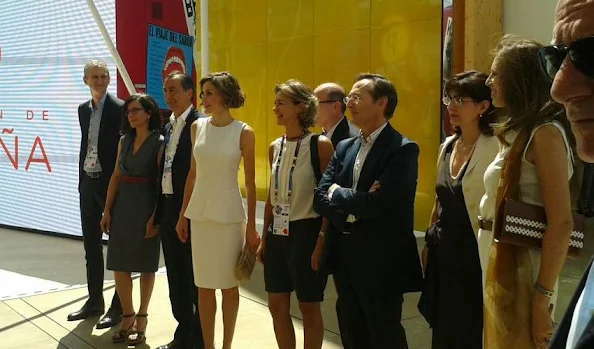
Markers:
{"x": 43, "y": 49}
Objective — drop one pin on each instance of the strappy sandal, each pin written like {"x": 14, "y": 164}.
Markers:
{"x": 138, "y": 337}
{"x": 122, "y": 335}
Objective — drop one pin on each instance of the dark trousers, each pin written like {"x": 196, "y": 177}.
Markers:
{"x": 183, "y": 293}
{"x": 341, "y": 324}
{"x": 369, "y": 317}
{"x": 92, "y": 202}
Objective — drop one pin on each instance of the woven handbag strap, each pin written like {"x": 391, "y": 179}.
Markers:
{"x": 510, "y": 178}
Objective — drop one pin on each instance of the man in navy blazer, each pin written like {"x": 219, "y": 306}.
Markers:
{"x": 368, "y": 193}
{"x": 100, "y": 119}
{"x": 573, "y": 86}
{"x": 183, "y": 293}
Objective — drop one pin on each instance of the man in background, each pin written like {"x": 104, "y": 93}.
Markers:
{"x": 332, "y": 105}
{"x": 183, "y": 293}
{"x": 100, "y": 120}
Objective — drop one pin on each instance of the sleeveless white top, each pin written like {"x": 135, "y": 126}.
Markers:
{"x": 529, "y": 190}
{"x": 304, "y": 181}
{"x": 216, "y": 196}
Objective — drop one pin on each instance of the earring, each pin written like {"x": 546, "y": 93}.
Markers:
{"x": 480, "y": 115}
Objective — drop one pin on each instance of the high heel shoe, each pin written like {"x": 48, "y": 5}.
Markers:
{"x": 122, "y": 335}
{"x": 138, "y": 337}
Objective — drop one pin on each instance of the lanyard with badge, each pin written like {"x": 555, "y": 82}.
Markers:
{"x": 169, "y": 154}
{"x": 281, "y": 211}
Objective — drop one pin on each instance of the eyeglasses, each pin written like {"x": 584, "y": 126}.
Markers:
{"x": 329, "y": 101}
{"x": 581, "y": 53}
{"x": 355, "y": 99}
{"x": 456, "y": 101}
{"x": 133, "y": 111}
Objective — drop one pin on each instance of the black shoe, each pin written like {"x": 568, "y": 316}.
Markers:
{"x": 88, "y": 310}
{"x": 111, "y": 318}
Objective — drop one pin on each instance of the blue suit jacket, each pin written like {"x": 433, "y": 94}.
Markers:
{"x": 386, "y": 252}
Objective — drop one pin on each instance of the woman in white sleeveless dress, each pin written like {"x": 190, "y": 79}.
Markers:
{"x": 520, "y": 283}
{"x": 213, "y": 202}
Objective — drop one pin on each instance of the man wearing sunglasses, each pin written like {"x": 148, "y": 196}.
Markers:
{"x": 570, "y": 63}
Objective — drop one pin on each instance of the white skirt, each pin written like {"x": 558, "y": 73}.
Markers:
{"x": 215, "y": 250}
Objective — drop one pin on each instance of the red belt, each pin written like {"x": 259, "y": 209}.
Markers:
{"x": 139, "y": 180}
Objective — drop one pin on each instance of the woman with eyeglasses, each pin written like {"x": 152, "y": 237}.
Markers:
{"x": 293, "y": 232}
{"x": 520, "y": 283}
{"x": 452, "y": 299}
{"x": 134, "y": 245}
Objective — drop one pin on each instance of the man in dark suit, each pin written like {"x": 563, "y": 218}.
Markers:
{"x": 100, "y": 119}
{"x": 331, "y": 99}
{"x": 368, "y": 193}
{"x": 183, "y": 293}
{"x": 331, "y": 113}
{"x": 573, "y": 86}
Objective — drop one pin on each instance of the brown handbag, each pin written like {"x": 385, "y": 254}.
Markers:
{"x": 522, "y": 224}
{"x": 245, "y": 263}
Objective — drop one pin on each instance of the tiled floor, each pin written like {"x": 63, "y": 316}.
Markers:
{"x": 42, "y": 277}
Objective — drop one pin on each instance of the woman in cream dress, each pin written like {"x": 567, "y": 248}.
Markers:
{"x": 213, "y": 202}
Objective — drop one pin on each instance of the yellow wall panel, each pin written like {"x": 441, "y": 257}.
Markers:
{"x": 408, "y": 54}
{"x": 389, "y": 12}
{"x": 247, "y": 21}
{"x": 331, "y": 15}
{"x": 287, "y": 19}
{"x": 264, "y": 42}
{"x": 341, "y": 55}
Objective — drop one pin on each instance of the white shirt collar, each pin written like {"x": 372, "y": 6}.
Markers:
{"x": 101, "y": 101}
{"x": 331, "y": 132}
{"x": 184, "y": 115}
{"x": 373, "y": 136}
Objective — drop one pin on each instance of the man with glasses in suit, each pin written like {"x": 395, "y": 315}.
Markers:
{"x": 368, "y": 193}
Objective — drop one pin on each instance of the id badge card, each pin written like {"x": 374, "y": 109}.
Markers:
{"x": 281, "y": 220}
{"x": 91, "y": 159}
{"x": 168, "y": 164}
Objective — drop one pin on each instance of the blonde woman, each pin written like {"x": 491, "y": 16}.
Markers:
{"x": 293, "y": 242}
{"x": 521, "y": 284}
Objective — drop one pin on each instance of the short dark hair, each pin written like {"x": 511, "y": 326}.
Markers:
{"x": 149, "y": 105}
{"x": 186, "y": 81}
{"x": 228, "y": 86}
{"x": 471, "y": 84}
{"x": 382, "y": 87}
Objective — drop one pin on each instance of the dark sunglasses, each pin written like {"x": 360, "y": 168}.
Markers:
{"x": 581, "y": 53}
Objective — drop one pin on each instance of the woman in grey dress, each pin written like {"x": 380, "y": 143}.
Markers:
{"x": 129, "y": 212}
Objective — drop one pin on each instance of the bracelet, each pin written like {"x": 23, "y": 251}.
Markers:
{"x": 322, "y": 234}
{"x": 540, "y": 289}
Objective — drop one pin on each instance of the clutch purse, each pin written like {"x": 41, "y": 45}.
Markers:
{"x": 245, "y": 264}
{"x": 524, "y": 225}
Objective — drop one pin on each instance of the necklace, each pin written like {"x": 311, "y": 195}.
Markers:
{"x": 454, "y": 152}
{"x": 305, "y": 132}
